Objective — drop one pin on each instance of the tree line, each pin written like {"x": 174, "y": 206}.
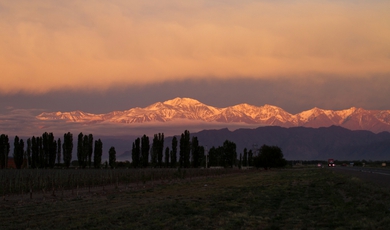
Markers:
{"x": 43, "y": 152}
{"x": 191, "y": 154}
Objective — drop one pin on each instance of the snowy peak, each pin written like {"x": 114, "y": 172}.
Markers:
{"x": 311, "y": 114}
{"x": 182, "y": 102}
{"x": 75, "y": 116}
{"x": 193, "y": 110}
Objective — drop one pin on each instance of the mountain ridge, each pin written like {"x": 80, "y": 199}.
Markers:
{"x": 297, "y": 143}
{"x": 268, "y": 115}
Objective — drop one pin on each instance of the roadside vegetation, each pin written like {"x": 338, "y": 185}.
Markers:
{"x": 304, "y": 198}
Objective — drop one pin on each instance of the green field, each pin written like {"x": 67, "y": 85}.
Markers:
{"x": 254, "y": 199}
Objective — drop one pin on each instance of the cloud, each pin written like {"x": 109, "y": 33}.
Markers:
{"x": 94, "y": 45}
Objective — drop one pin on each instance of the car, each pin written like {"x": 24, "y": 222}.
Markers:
{"x": 331, "y": 163}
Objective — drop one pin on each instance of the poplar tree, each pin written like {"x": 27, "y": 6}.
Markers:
{"x": 34, "y": 153}
{"x": 4, "y": 150}
{"x": 245, "y": 158}
{"x": 250, "y": 158}
{"x": 41, "y": 153}
{"x": 112, "y": 157}
{"x": 67, "y": 149}
{"x": 22, "y": 153}
{"x": 145, "y": 146}
{"x": 135, "y": 153}
{"x": 80, "y": 150}
{"x": 86, "y": 151}
{"x": 195, "y": 151}
{"x": 49, "y": 147}
{"x": 240, "y": 161}
{"x": 45, "y": 148}
{"x": 230, "y": 154}
{"x": 213, "y": 161}
{"x": 202, "y": 157}
{"x": 167, "y": 157}
{"x": 160, "y": 149}
{"x": 174, "y": 152}
{"x": 185, "y": 149}
{"x": 98, "y": 151}
{"x": 90, "y": 149}
{"x": 53, "y": 153}
{"x": 154, "y": 151}
{"x": 18, "y": 152}
{"x": 28, "y": 152}
{"x": 59, "y": 146}
{"x": 157, "y": 149}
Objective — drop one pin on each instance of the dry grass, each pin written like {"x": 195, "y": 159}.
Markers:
{"x": 277, "y": 199}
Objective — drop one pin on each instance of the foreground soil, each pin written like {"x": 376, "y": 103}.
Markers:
{"x": 275, "y": 199}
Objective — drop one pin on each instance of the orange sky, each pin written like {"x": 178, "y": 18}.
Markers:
{"x": 49, "y": 45}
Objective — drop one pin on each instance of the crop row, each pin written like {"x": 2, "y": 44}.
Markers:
{"x": 29, "y": 180}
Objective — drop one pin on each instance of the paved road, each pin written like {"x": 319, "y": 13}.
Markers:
{"x": 380, "y": 176}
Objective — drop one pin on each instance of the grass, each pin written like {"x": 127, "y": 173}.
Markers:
{"x": 276, "y": 199}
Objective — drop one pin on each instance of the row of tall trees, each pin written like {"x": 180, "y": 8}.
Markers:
{"x": 191, "y": 154}
{"x": 197, "y": 153}
{"x": 43, "y": 151}
{"x": 84, "y": 150}
{"x": 247, "y": 159}
{"x": 18, "y": 152}
{"x": 140, "y": 152}
{"x": 157, "y": 150}
{"x": 223, "y": 156}
{"x": 88, "y": 151}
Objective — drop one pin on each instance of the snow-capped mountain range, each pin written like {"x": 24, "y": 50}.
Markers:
{"x": 180, "y": 109}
